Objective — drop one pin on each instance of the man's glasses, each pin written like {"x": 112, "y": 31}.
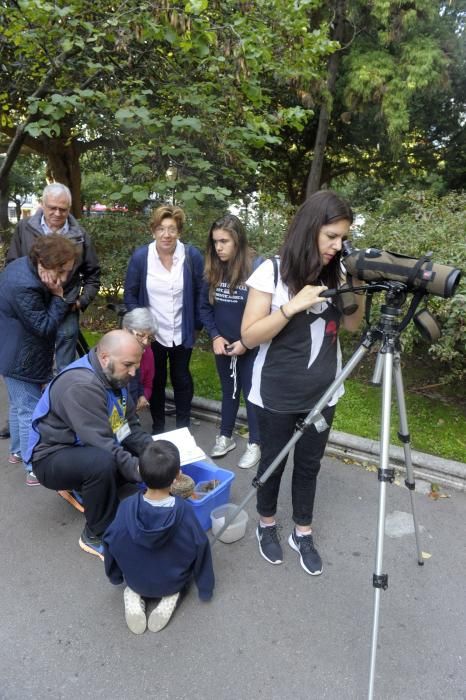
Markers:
{"x": 59, "y": 210}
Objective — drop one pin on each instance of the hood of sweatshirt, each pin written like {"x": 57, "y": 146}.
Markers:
{"x": 151, "y": 526}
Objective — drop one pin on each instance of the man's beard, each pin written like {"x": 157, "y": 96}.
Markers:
{"x": 114, "y": 383}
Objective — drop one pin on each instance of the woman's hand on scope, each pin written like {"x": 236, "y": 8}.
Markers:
{"x": 304, "y": 299}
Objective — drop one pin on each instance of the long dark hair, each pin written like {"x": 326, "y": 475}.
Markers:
{"x": 235, "y": 271}
{"x": 300, "y": 261}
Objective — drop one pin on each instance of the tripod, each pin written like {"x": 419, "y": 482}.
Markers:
{"x": 388, "y": 368}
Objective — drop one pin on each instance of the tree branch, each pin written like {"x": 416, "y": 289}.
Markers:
{"x": 20, "y": 134}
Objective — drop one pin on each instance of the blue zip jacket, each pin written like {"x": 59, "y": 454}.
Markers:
{"x": 29, "y": 319}
{"x": 157, "y": 551}
{"x": 136, "y": 289}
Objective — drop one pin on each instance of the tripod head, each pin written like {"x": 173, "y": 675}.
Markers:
{"x": 395, "y": 296}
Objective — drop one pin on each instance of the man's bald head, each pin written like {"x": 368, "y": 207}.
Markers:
{"x": 117, "y": 342}
{"x": 119, "y": 354}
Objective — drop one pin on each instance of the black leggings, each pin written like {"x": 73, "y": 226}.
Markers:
{"x": 276, "y": 429}
{"x": 182, "y": 382}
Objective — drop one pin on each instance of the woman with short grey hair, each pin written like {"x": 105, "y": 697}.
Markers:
{"x": 141, "y": 323}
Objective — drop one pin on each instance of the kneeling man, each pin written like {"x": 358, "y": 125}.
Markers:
{"x": 85, "y": 432}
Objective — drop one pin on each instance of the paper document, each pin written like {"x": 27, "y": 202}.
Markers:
{"x": 185, "y": 442}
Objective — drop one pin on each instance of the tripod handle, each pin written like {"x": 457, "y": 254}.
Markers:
{"x": 330, "y": 293}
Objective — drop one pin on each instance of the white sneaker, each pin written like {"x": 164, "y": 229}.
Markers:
{"x": 161, "y": 614}
{"x": 135, "y": 611}
{"x": 251, "y": 456}
{"x": 223, "y": 444}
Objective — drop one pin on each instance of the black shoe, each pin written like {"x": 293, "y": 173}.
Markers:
{"x": 308, "y": 555}
{"x": 4, "y": 432}
{"x": 269, "y": 544}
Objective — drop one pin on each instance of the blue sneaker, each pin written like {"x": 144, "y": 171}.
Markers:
{"x": 91, "y": 544}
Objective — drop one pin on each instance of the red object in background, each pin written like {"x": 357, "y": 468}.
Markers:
{"x": 97, "y": 208}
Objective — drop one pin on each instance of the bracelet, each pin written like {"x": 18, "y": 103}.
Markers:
{"x": 244, "y": 346}
{"x": 288, "y": 318}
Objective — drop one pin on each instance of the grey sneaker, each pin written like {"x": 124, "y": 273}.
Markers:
{"x": 162, "y": 613}
{"x": 309, "y": 557}
{"x": 31, "y": 479}
{"x": 223, "y": 444}
{"x": 251, "y": 456}
{"x": 269, "y": 544}
{"x": 135, "y": 611}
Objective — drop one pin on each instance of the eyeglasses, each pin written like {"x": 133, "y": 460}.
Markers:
{"x": 143, "y": 336}
{"x": 171, "y": 230}
{"x": 59, "y": 210}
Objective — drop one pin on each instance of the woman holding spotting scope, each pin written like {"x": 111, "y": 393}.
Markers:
{"x": 298, "y": 359}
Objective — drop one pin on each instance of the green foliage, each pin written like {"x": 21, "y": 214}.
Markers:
{"x": 115, "y": 237}
{"x": 435, "y": 428}
{"x": 160, "y": 85}
{"x": 414, "y": 223}
{"x": 397, "y": 110}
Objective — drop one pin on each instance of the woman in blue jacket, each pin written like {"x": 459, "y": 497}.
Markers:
{"x": 229, "y": 262}
{"x": 31, "y": 309}
{"x": 166, "y": 277}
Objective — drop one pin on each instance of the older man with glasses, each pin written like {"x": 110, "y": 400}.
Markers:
{"x": 54, "y": 217}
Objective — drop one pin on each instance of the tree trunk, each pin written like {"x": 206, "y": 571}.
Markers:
{"x": 315, "y": 175}
{"x": 4, "y": 220}
{"x": 63, "y": 166}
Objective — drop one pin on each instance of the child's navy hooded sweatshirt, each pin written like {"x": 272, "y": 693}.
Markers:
{"x": 158, "y": 550}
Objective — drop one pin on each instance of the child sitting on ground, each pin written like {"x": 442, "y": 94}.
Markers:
{"x": 156, "y": 544}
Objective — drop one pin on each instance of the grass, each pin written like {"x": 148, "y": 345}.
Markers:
{"x": 436, "y": 427}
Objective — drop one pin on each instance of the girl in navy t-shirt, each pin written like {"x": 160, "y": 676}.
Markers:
{"x": 228, "y": 263}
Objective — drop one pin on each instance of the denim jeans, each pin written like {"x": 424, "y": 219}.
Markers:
{"x": 67, "y": 337}
{"x": 23, "y": 397}
{"x": 230, "y": 405}
{"x": 276, "y": 429}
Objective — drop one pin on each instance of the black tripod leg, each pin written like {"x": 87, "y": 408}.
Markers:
{"x": 403, "y": 434}
{"x": 82, "y": 348}
{"x": 385, "y": 474}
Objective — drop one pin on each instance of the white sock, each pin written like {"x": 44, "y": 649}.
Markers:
{"x": 300, "y": 533}
{"x": 267, "y": 524}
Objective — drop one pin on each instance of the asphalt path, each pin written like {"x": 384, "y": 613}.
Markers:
{"x": 270, "y": 631}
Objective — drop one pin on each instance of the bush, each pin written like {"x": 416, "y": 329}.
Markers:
{"x": 115, "y": 237}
